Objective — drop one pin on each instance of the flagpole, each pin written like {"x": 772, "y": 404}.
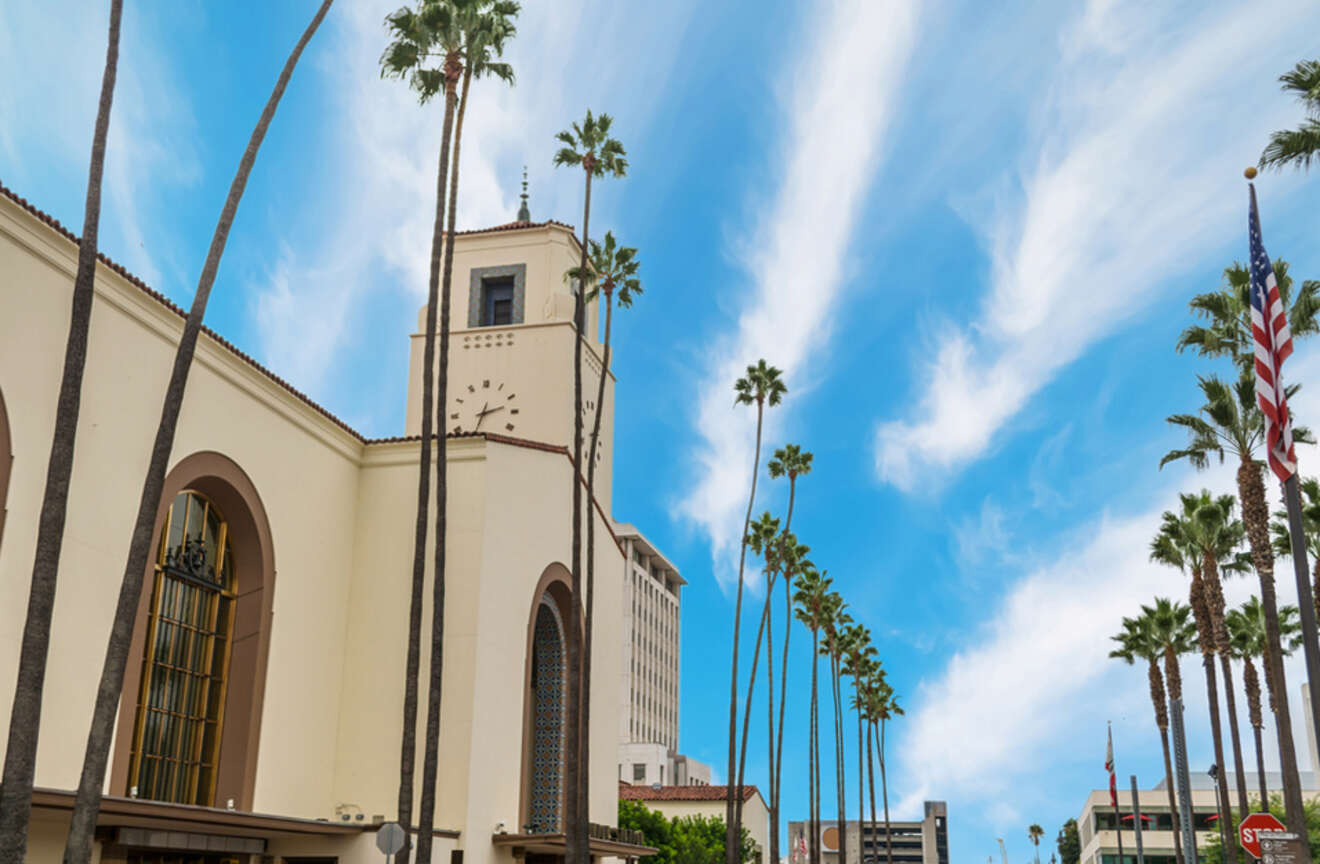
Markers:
{"x": 1301, "y": 567}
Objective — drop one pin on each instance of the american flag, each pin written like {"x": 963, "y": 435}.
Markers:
{"x": 1269, "y": 328}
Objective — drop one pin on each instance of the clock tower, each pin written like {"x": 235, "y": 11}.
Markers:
{"x": 511, "y": 344}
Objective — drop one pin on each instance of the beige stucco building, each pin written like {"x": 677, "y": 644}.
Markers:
{"x": 262, "y": 708}
{"x": 924, "y": 842}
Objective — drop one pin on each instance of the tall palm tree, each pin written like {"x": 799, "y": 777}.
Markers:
{"x": 1298, "y": 146}
{"x": 886, "y": 708}
{"x": 763, "y": 385}
{"x": 789, "y": 461}
{"x": 1159, "y": 629}
{"x": 1230, "y": 423}
{"x": 835, "y": 625}
{"x": 87, "y": 802}
{"x": 812, "y": 609}
{"x": 25, "y": 714}
{"x": 782, "y": 553}
{"x": 1187, "y": 539}
{"x": 465, "y": 35}
{"x": 875, "y": 684}
{"x": 587, "y": 145}
{"x": 612, "y": 274}
{"x": 1310, "y": 494}
{"x": 1246, "y": 627}
{"x": 858, "y": 657}
{"x": 1034, "y": 833}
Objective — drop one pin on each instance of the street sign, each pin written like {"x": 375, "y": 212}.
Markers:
{"x": 1255, "y": 825}
{"x": 390, "y": 838}
{"x": 1282, "y": 848}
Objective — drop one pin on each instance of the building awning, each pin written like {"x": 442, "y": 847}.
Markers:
{"x": 119, "y": 812}
{"x": 553, "y": 844}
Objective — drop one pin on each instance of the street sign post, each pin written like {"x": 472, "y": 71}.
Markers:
{"x": 390, "y": 838}
{"x": 1255, "y": 825}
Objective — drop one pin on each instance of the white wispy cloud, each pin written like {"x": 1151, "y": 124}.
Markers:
{"x": 1131, "y": 180}
{"x": 1034, "y": 685}
{"x": 837, "y": 116}
{"x": 381, "y": 179}
{"x": 46, "y": 126}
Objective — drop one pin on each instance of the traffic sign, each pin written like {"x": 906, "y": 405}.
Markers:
{"x": 1253, "y": 826}
{"x": 390, "y": 837}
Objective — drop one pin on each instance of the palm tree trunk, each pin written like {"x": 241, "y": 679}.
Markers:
{"x": 815, "y": 751}
{"x": 576, "y": 849}
{"x": 435, "y": 688}
{"x": 1215, "y": 607}
{"x": 1205, "y": 634}
{"x": 777, "y": 766}
{"x": 408, "y": 748}
{"x": 861, "y": 789}
{"x": 1256, "y": 515}
{"x": 839, "y": 762}
{"x": 25, "y": 714}
{"x": 731, "y": 839}
{"x": 88, "y": 800}
{"x": 1251, "y": 684}
{"x": 870, "y": 775}
{"x": 884, "y": 791}
{"x": 1158, "y": 702}
{"x": 770, "y": 713}
{"x": 585, "y": 777}
{"x": 747, "y": 706}
{"x": 1315, "y": 585}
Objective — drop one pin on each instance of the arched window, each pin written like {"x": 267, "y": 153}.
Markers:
{"x": 547, "y": 700}
{"x": 190, "y": 628}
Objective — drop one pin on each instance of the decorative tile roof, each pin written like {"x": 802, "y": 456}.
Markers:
{"x": 517, "y": 226}
{"x": 628, "y": 792}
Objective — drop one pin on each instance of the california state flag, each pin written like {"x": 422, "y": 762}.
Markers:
{"x": 1109, "y": 766}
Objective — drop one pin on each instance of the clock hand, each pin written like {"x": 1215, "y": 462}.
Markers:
{"x": 481, "y": 415}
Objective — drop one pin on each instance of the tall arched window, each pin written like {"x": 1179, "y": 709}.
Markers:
{"x": 181, "y": 700}
{"x": 547, "y": 698}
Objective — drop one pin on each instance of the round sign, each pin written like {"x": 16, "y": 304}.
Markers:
{"x": 390, "y": 838}
{"x": 1253, "y": 826}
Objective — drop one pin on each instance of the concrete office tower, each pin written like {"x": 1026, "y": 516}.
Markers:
{"x": 648, "y": 713}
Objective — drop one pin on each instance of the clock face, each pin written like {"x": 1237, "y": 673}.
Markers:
{"x": 484, "y": 406}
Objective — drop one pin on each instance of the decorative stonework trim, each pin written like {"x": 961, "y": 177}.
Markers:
{"x": 477, "y": 277}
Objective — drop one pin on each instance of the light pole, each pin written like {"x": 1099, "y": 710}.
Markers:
{"x": 1214, "y": 781}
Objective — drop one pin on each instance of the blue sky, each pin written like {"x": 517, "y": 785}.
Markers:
{"x": 967, "y": 231}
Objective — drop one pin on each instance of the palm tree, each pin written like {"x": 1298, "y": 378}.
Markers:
{"x": 1230, "y": 423}
{"x": 858, "y": 658}
{"x": 25, "y": 714}
{"x": 1034, "y": 833}
{"x": 612, "y": 269}
{"x": 812, "y": 599}
{"x": 835, "y": 626}
{"x": 789, "y": 461}
{"x": 1186, "y": 540}
{"x": 1226, "y": 312}
{"x": 462, "y": 34}
{"x": 88, "y": 800}
{"x": 1246, "y": 627}
{"x": 1160, "y": 629}
{"x": 1298, "y": 146}
{"x": 762, "y": 385}
{"x": 781, "y": 552}
{"x": 875, "y": 683}
{"x": 887, "y": 708}
{"x": 1310, "y": 494}
{"x": 589, "y": 146}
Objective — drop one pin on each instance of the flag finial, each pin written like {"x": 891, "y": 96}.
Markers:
{"x": 1250, "y": 173}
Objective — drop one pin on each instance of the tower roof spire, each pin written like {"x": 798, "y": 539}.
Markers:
{"x": 524, "y": 214}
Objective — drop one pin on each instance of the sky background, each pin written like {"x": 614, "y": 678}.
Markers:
{"x": 966, "y": 231}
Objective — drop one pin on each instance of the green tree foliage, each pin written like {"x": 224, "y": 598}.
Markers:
{"x": 681, "y": 840}
{"x": 1069, "y": 843}
{"x": 1213, "y": 852}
